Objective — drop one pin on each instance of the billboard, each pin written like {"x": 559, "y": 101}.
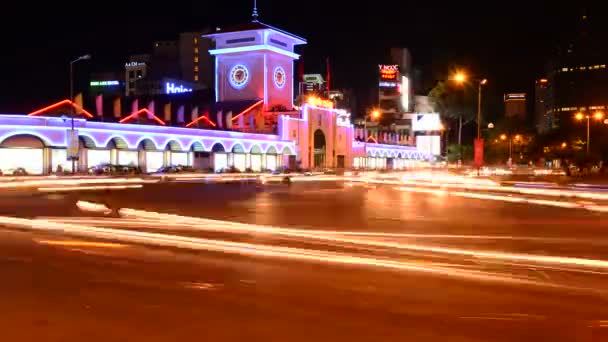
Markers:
{"x": 426, "y": 122}
{"x": 388, "y": 72}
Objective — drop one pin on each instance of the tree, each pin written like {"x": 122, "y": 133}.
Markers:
{"x": 455, "y": 102}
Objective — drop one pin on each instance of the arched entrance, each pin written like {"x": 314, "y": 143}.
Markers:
{"x": 319, "y": 148}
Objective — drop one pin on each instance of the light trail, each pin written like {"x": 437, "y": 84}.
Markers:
{"x": 62, "y": 182}
{"x": 91, "y": 188}
{"x": 223, "y": 226}
{"x": 74, "y": 243}
{"x": 155, "y": 224}
{"x": 511, "y": 199}
{"x": 258, "y": 250}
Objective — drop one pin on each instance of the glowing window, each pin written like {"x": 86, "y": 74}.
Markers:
{"x": 196, "y": 68}
{"x": 196, "y": 59}
{"x": 195, "y": 50}
{"x": 196, "y": 77}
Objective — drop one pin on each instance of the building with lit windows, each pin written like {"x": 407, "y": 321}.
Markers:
{"x": 577, "y": 77}
{"x": 515, "y": 105}
{"x": 541, "y": 114}
{"x": 251, "y": 126}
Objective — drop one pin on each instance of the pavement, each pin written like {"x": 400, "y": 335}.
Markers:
{"x": 326, "y": 261}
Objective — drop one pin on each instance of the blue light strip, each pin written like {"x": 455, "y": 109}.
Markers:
{"x": 254, "y": 48}
{"x": 55, "y": 136}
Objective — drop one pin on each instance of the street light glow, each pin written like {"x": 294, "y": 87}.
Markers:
{"x": 503, "y": 137}
{"x": 579, "y": 116}
{"x": 564, "y": 145}
{"x": 460, "y": 77}
{"x": 598, "y": 115}
{"x": 484, "y": 81}
{"x": 517, "y": 137}
{"x": 375, "y": 114}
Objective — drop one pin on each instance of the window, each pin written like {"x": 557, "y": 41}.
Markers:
{"x": 196, "y": 68}
{"x": 195, "y": 40}
{"x": 195, "y": 50}
{"x": 139, "y": 74}
{"x": 195, "y": 77}
{"x": 278, "y": 42}
{"x": 240, "y": 40}
{"x": 131, "y": 74}
{"x": 195, "y": 59}
{"x": 132, "y": 84}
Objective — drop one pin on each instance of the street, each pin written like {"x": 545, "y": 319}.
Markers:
{"x": 312, "y": 261}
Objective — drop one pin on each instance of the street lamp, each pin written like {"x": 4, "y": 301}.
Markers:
{"x": 72, "y": 113}
{"x": 597, "y": 116}
{"x": 504, "y": 137}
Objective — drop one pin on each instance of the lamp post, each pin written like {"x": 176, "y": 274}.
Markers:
{"x": 461, "y": 78}
{"x": 72, "y": 113}
{"x": 597, "y": 116}
{"x": 517, "y": 137}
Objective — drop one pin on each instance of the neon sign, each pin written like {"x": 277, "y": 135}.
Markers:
{"x": 103, "y": 83}
{"x": 171, "y": 88}
{"x": 388, "y": 72}
{"x": 134, "y": 64}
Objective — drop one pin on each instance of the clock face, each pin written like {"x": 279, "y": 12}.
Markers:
{"x": 279, "y": 77}
{"x": 239, "y": 75}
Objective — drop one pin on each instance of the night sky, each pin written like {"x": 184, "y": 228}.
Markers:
{"x": 507, "y": 42}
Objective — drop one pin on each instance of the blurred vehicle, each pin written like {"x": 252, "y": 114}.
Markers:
{"x": 19, "y": 171}
{"x": 110, "y": 169}
{"x": 176, "y": 169}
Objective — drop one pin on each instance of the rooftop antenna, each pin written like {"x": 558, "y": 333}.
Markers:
{"x": 255, "y": 11}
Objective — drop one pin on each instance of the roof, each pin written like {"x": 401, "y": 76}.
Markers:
{"x": 252, "y": 26}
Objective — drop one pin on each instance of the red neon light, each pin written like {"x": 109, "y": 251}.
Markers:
{"x": 372, "y": 139}
{"x": 60, "y": 103}
{"x": 144, "y": 110}
{"x": 204, "y": 117}
{"x": 248, "y": 109}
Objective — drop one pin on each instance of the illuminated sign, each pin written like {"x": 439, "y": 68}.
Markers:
{"x": 515, "y": 97}
{"x": 388, "y": 72}
{"x": 134, "y": 64}
{"x": 388, "y": 84}
{"x": 426, "y": 122}
{"x": 405, "y": 93}
{"x": 103, "y": 83}
{"x": 173, "y": 89}
{"x": 239, "y": 75}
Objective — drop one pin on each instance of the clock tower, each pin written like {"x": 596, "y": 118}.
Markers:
{"x": 254, "y": 61}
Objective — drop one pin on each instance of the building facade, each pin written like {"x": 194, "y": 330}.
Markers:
{"x": 252, "y": 125}
{"x": 515, "y": 105}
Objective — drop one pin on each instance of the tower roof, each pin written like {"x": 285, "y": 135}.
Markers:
{"x": 255, "y": 26}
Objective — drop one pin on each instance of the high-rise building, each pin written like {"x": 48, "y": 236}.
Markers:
{"x": 515, "y": 105}
{"x": 194, "y": 59}
{"x": 541, "y": 115}
{"x": 577, "y": 77}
